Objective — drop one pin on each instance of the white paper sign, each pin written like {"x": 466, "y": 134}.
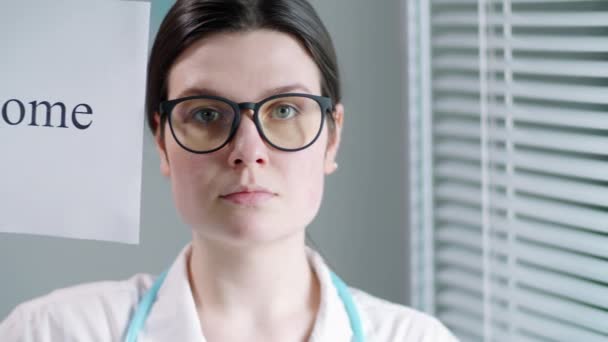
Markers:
{"x": 72, "y": 85}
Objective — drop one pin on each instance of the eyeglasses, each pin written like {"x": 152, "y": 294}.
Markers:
{"x": 288, "y": 122}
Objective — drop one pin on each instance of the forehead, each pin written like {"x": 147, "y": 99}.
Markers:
{"x": 243, "y": 66}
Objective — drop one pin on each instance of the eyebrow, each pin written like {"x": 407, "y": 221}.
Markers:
{"x": 196, "y": 91}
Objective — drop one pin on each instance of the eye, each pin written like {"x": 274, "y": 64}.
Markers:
{"x": 205, "y": 115}
{"x": 284, "y": 112}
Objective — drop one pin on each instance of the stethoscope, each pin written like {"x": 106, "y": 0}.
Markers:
{"x": 145, "y": 305}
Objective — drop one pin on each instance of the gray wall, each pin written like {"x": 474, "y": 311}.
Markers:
{"x": 361, "y": 228}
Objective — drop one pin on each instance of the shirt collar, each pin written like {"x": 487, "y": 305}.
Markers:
{"x": 174, "y": 317}
{"x": 332, "y": 322}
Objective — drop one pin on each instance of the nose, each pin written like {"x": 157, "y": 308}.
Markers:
{"x": 248, "y": 147}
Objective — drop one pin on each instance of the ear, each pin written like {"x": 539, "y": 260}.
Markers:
{"x": 333, "y": 143}
{"x": 161, "y": 148}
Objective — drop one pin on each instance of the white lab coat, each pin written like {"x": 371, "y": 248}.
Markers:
{"x": 101, "y": 311}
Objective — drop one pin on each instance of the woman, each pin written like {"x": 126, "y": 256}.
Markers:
{"x": 243, "y": 99}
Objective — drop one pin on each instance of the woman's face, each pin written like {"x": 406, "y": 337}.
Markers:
{"x": 247, "y": 67}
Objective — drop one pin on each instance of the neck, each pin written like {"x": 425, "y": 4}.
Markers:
{"x": 260, "y": 282}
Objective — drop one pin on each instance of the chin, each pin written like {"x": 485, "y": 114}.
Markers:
{"x": 252, "y": 232}
{"x": 248, "y": 230}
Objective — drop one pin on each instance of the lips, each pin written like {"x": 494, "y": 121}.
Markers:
{"x": 248, "y": 195}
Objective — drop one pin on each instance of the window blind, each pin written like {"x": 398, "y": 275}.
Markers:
{"x": 518, "y": 183}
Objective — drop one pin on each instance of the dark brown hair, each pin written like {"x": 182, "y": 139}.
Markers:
{"x": 190, "y": 20}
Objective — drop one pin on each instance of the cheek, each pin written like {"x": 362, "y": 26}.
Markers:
{"x": 307, "y": 178}
{"x": 189, "y": 173}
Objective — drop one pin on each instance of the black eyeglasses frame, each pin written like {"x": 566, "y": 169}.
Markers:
{"x": 166, "y": 109}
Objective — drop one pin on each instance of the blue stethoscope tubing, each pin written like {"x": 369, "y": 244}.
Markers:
{"x": 145, "y": 305}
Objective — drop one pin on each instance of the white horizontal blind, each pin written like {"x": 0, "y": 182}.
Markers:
{"x": 546, "y": 136}
{"x": 457, "y": 188}
{"x": 556, "y": 166}
{"x": 421, "y": 217}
